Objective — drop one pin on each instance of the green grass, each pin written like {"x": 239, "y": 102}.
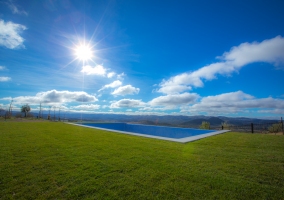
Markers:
{"x": 45, "y": 160}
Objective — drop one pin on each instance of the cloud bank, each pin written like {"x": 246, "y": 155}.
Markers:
{"x": 86, "y": 107}
{"x": 234, "y": 102}
{"x": 55, "y": 97}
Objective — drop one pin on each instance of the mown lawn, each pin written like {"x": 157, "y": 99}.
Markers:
{"x": 48, "y": 160}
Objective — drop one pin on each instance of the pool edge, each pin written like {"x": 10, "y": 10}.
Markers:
{"x": 182, "y": 140}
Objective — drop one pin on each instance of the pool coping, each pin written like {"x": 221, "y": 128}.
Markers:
{"x": 181, "y": 140}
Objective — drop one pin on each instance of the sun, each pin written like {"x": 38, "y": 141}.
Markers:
{"x": 84, "y": 52}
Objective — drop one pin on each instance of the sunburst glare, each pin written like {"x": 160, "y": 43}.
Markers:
{"x": 83, "y": 52}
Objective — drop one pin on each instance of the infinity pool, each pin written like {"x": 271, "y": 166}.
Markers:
{"x": 159, "y": 132}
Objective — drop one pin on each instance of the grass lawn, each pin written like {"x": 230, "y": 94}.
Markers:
{"x": 48, "y": 160}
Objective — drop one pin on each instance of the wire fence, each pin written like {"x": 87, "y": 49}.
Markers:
{"x": 253, "y": 127}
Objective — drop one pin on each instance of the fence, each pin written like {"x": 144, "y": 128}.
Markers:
{"x": 253, "y": 127}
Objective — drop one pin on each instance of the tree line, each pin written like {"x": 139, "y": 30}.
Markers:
{"x": 8, "y": 113}
{"x": 25, "y": 111}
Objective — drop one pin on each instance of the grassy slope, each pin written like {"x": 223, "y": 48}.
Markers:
{"x": 54, "y": 160}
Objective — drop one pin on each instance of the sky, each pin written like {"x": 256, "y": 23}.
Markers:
{"x": 192, "y": 57}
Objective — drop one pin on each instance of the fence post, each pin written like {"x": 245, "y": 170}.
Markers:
{"x": 282, "y": 126}
{"x": 251, "y": 127}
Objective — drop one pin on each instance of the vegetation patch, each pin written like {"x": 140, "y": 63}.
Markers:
{"x": 48, "y": 160}
{"x": 275, "y": 128}
{"x": 205, "y": 125}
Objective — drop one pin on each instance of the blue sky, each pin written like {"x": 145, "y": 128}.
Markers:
{"x": 194, "y": 57}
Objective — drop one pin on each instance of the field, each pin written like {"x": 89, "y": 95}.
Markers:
{"x": 53, "y": 160}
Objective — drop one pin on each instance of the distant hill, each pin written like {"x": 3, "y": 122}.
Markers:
{"x": 244, "y": 120}
{"x": 165, "y": 120}
{"x": 147, "y": 122}
{"x": 214, "y": 121}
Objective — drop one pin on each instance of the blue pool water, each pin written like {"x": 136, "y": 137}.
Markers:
{"x": 162, "y": 131}
{"x": 159, "y": 132}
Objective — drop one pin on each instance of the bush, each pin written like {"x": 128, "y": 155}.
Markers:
{"x": 225, "y": 125}
{"x": 275, "y": 128}
{"x": 205, "y": 125}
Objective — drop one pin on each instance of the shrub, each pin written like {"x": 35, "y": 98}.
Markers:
{"x": 275, "y": 128}
{"x": 205, "y": 125}
{"x": 225, "y": 125}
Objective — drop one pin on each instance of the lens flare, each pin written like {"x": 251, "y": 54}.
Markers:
{"x": 84, "y": 52}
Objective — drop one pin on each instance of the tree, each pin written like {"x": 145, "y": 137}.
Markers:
{"x": 205, "y": 125}
{"x": 25, "y": 109}
{"x": 225, "y": 126}
{"x": 275, "y": 128}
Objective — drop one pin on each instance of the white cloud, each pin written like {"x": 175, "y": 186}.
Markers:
{"x": 173, "y": 89}
{"x": 2, "y": 67}
{"x": 164, "y": 108}
{"x": 10, "y": 35}
{"x": 6, "y": 98}
{"x": 4, "y": 79}
{"x": 274, "y": 111}
{"x": 2, "y": 107}
{"x": 174, "y": 99}
{"x": 125, "y": 90}
{"x": 97, "y": 70}
{"x": 127, "y": 103}
{"x": 55, "y": 97}
{"x": 227, "y": 97}
{"x": 100, "y": 70}
{"x": 233, "y": 102}
{"x": 111, "y": 74}
{"x": 114, "y": 84}
{"x": 270, "y": 51}
{"x": 146, "y": 108}
{"x": 15, "y": 9}
{"x": 86, "y": 107}
{"x": 120, "y": 76}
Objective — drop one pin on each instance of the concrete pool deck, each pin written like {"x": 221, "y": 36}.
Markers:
{"x": 181, "y": 140}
